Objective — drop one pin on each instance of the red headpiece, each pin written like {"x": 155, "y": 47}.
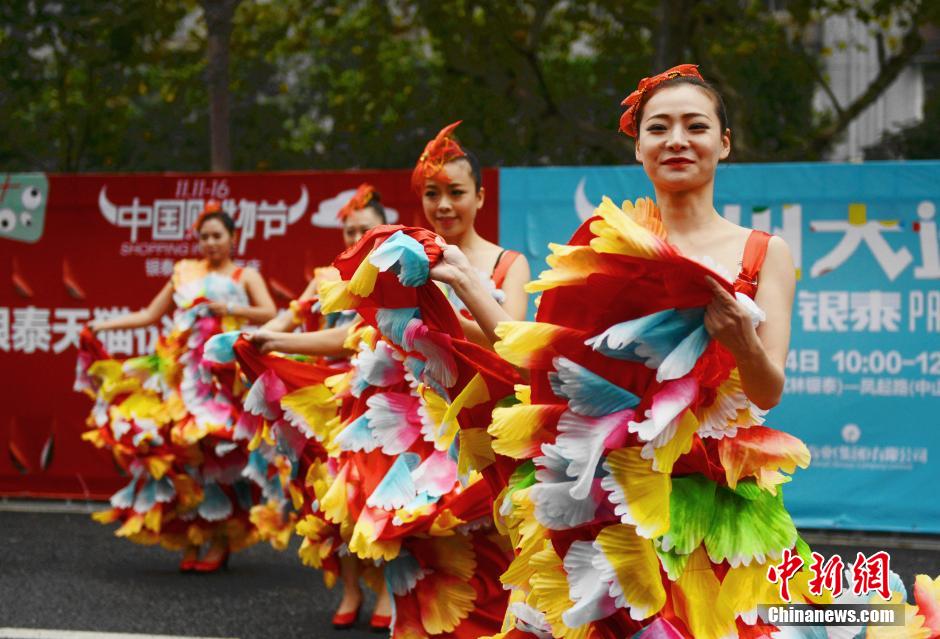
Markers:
{"x": 212, "y": 206}
{"x": 363, "y": 195}
{"x": 628, "y": 121}
{"x": 438, "y": 152}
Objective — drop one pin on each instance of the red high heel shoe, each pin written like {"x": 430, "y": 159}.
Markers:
{"x": 380, "y": 623}
{"x": 188, "y": 562}
{"x": 346, "y": 620}
{"x": 206, "y": 566}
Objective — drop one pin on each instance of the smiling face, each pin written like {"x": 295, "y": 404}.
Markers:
{"x": 680, "y": 138}
{"x": 215, "y": 241}
{"x": 451, "y": 205}
{"x": 358, "y": 223}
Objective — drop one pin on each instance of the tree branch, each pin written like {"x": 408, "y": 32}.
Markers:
{"x": 887, "y": 74}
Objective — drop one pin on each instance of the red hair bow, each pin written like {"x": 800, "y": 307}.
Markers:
{"x": 628, "y": 121}
{"x": 359, "y": 200}
{"x": 438, "y": 152}
{"x": 212, "y": 206}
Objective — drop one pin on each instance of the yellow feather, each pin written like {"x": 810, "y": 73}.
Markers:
{"x": 664, "y": 458}
{"x": 515, "y": 428}
{"x": 570, "y": 266}
{"x": 636, "y": 566}
{"x": 646, "y": 491}
{"x": 550, "y": 593}
{"x": 475, "y": 451}
{"x": 363, "y": 280}
{"x": 699, "y": 604}
{"x": 519, "y": 340}
{"x": 335, "y": 296}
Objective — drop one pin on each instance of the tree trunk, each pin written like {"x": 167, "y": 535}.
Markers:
{"x": 219, "y": 22}
{"x": 673, "y": 35}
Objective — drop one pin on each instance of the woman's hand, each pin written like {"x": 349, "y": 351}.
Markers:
{"x": 264, "y": 341}
{"x": 220, "y": 308}
{"x": 453, "y": 267}
{"x": 727, "y": 321}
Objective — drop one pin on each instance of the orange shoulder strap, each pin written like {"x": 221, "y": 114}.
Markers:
{"x": 503, "y": 262}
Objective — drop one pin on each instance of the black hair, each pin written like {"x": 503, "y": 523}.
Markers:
{"x": 685, "y": 79}
{"x": 475, "y": 171}
{"x": 222, "y": 217}
{"x": 375, "y": 203}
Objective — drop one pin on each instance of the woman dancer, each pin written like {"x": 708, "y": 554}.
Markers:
{"x": 324, "y": 338}
{"x": 169, "y": 418}
{"x": 449, "y": 181}
{"x": 648, "y": 497}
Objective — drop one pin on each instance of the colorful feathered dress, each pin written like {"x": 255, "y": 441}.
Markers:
{"x": 418, "y": 409}
{"x": 647, "y": 497}
{"x": 171, "y": 421}
{"x": 290, "y": 418}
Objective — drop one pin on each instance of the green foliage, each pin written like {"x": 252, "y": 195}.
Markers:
{"x": 120, "y": 85}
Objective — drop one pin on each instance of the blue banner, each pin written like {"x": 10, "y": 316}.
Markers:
{"x": 863, "y": 373}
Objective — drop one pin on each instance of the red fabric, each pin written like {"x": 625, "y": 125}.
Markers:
{"x": 628, "y": 123}
{"x": 293, "y": 373}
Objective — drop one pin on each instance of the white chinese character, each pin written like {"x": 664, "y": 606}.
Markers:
{"x": 858, "y": 229}
{"x": 169, "y": 220}
{"x": 875, "y": 311}
{"x": 166, "y": 267}
{"x": 70, "y": 326}
{"x": 248, "y": 222}
{"x": 146, "y": 340}
{"x": 867, "y": 386}
{"x": 813, "y": 385}
{"x": 134, "y": 217}
{"x": 152, "y": 267}
{"x": 884, "y": 387}
{"x": 809, "y": 361}
{"x": 833, "y": 311}
{"x": 892, "y": 454}
{"x": 920, "y": 455}
{"x": 4, "y": 329}
{"x": 119, "y": 342}
{"x": 274, "y": 218}
{"x": 830, "y": 386}
{"x": 193, "y": 209}
{"x": 808, "y": 303}
{"x": 929, "y": 250}
{"x": 899, "y": 387}
{"x": 31, "y": 329}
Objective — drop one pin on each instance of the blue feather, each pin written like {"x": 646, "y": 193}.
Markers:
{"x": 588, "y": 393}
{"x": 357, "y": 435}
{"x": 219, "y": 348}
{"x": 404, "y": 256}
{"x": 649, "y": 339}
{"x": 165, "y": 490}
{"x": 146, "y": 498}
{"x": 392, "y": 322}
{"x": 124, "y": 498}
{"x": 215, "y": 505}
{"x": 683, "y": 357}
{"x": 397, "y": 488}
{"x": 402, "y": 573}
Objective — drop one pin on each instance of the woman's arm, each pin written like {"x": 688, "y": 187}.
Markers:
{"x": 455, "y": 270}
{"x": 284, "y": 321}
{"x": 326, "y": 343}
{"x": 159, "y": 305}
{"x": 761, "y": 354}
{"x": 262, "y": 307}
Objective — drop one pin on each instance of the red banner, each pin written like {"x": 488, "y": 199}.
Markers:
{"x": 82, "y": 247}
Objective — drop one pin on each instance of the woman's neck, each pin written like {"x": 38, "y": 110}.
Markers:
{"x": 686, "y": 213}
{"x": 468, "y": 241}
{"x": 220, "y": 266}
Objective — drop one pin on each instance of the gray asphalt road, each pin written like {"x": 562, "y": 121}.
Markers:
{"x": 64, "y": 571}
